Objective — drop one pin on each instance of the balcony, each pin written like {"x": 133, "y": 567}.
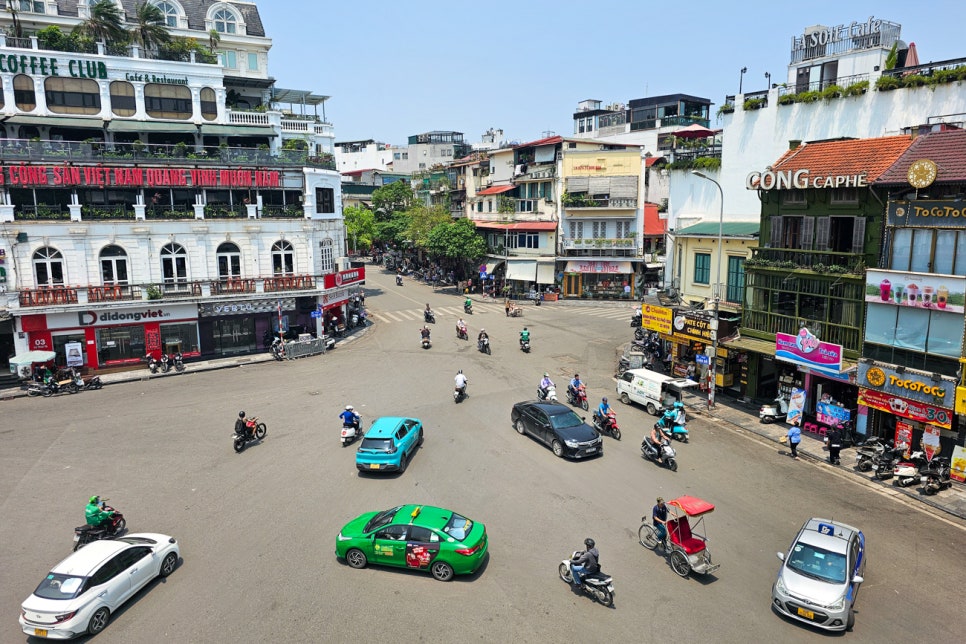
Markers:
{"x": 577, "y": 202}
{"x": 849, "y": 337}
{"x": 300, "y": 126}
{"x": 570, "y": 243}
{"x": 785, "y": 259}
{"x": 197, "y": 56}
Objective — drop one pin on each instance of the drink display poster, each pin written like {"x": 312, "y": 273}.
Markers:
{"x": 936, "y": 292}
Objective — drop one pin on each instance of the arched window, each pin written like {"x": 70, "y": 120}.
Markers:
{"x": 113, "y": 265}
{"x": 170, "y": 12}
{"x": 229, "y": 261}
{"x": 209, "y": 105}
{"x": 24, "y": 93}
{"x": 48, "y": 267}
{"x": 174, "y": 264}
{"x": 326, "y": 260}
{"x": 225, "y": 21}
{"x": 283, "y": 258}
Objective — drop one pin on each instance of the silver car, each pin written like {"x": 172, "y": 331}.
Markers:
{"x": 820, "y": 576}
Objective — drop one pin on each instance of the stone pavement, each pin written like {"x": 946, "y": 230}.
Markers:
{"x": 745, "y": 416}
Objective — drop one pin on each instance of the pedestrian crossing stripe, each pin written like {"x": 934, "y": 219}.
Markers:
{"x": 416, "y": 315}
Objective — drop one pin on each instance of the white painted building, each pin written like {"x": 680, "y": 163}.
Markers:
{"x": 352, "y": 156}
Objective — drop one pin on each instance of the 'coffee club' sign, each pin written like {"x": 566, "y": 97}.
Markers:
{"x": 802, "y": 179}
{"x": 51, "y": 66}
{"x": 908, "y": 384}
{"x": 806, "y": 349}
{"x": 104, "y": 177}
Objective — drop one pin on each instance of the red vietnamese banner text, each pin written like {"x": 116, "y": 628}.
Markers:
{"x": 105, "y": 177}
{"x": 906, "y": 408}
{"x": 344, "y": 278}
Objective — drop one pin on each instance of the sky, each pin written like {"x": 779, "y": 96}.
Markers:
{"x": 397, "y": 69}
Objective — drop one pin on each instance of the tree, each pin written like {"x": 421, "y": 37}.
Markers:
{"x": 395, "y": 197}
{"x": 14, "y": 15}
{"x": 360, "y": 225}
{"x": 214, "y": 39}
{"x": 423, "y": 219}
{"x": 458, "y": 241}
{"x": 393, "y": 230}
{"x": 105, "y": 23}
{"x": 150, "y": 29}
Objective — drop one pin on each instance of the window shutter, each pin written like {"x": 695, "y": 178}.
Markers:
{"x": 821, "y": 243}
{"x": 858, "y": 235}
{"x": 808, "y": 232}
{"x": 599, "y": 185}
{"x": 577, "y": 184}
{"x": 623, "y": 188}
{"x": 774, "y": 240}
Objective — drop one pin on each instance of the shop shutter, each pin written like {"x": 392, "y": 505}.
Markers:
{"x": 858, "y": 235}
{"x": 821, "y": 243}
{"x": 577, "y": 184}
{"x": 774, "y": 240}
{"x": 599, "y": 186}
{"x": 808, "y": 232}
{"x": 623, "y": 187}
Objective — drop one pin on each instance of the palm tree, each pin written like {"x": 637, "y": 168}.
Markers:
{"x": 214, "y": 38}
{"x": 150, "y": 28}
{"x": 105, "y": 23}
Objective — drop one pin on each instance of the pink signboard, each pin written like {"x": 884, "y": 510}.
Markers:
{"x": 806, "y": 349}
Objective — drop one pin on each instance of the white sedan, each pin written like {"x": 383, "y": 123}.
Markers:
{"x": 81, "y": 592}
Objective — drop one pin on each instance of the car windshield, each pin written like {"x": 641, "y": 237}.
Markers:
{"x": 57, "y": 586}
{"x": 565, "y": 420}
{"x": 376, "y": 444}
{"x": 817, "y": 563}
{"x": 380, "y": 519}
{"x": 458, "y": 527}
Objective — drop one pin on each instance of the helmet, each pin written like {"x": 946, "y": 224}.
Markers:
{"x": 679, "y": 405}
{"x": 604, "y": 399}
{"x": 589, "y": 542}
{"x": 348, "y": 407}
{"x": 94, "y": 499}
{"x": 459, "y": 372}
{"x": 546, "y": 375}
{"x": 241, "y": 414}
{"x": 482, "y": 330}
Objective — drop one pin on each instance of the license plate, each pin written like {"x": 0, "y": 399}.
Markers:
{"x": 374, "y": 466}
{"x": 591, "y": 450}
{"x": 807, "y": 614}
{"x": 40, "y": 632}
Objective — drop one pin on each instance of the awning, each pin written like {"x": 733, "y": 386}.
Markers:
{"x": 150, "y": 126}
{"x": 751, "y": 344}
{"x": 491, "y": 266}
{"x": 522, "y": 270}
{"x": 495, "y": 190}
{"x": 522, "y": 225}
{"x": 546, "y": 273}
{"x": 55, "y": 121}
{"x": 236, "y": 130}
{"x": 596, "y": 266}
{"x": 33, "y": 356}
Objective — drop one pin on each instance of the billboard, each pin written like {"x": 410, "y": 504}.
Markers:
{"x": 656, "y": 318}
{"x": 806, "y": 349}
{"x": 927, "y": 291}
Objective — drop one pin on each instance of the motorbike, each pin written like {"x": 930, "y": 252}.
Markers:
{"x": 178, "y": 361}
{"x": 525, "y": 346}
{"x": 907, "y": 471}
{"x": 549, "y": 396}
{"x": 165, "y": 363}
{"x": 468, "y": 308}
{"x": 351, "y": 431}
{"x": 636, "y": 322}
{"x": 398, "y": 280}
{"x": 608, "y": 424}
{"x": 885, "y": 464}
{"x": 775, "y": 411}
{"x": 639, "y": 334}
{"x": 429, "y": 316}
{"x": 461, "y": 333}
{"x": 52, "y": 386}
{"x": 459, "y": 393}
{"x": 935, "y": 476}
{"x": 94, "y": 382}
{"x": 254, "y": 431}
{"x": 87, "y": 533}
{"x": 649, "y": 450}
{"x": 675, "y": 431}
{"x": 578, "y": 398}
{"x": 596, "y": 584}
{"x": 152, "y": 363}
{"x": 425, "y": 342}
{"x": 483, "y": 345}
{"x": 869, "y": 452}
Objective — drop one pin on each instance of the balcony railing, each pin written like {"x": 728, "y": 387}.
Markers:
{"x": 226, "y": 212}
{"x": 591, "y": 243}
{"x": 236, "y": 117}
{"x": 41, "y": 212}
{"x": 614, "y": 203}
{"x": 849, "y": 337}
{"x": 817, "y": 261}
{"x": 169, "y": 212}
{"x": 290, "y": 283}
{"x": 819, "y": 85}
{"x": 105, "y": 213}
{"x": 111, "y": 49}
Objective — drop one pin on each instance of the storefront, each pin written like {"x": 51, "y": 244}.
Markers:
{"x": 691, "y": 345}
{"x": 340, "y": 290}
{"x": 240, "y": 327}
{"x": 909, "y": 406}
{"x": 599, "y": 278}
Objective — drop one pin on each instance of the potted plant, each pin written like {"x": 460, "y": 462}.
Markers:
{"x": 887, "y": 83}
{"x": 726, "y": 108}
{"x": 832, "y": 91}
{"x": 754, "y": 103}
{"x": 786, "y": 99}
{"x": 857, "y": 89}
{"x": 914, "y": 80}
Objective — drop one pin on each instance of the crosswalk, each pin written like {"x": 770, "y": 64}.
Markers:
{"x": 455, "y": 312}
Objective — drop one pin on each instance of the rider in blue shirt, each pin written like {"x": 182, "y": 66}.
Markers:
{"x": 349, "y": 417}
{"x": 575, "y": 385}
{"x": 604, "y": 408}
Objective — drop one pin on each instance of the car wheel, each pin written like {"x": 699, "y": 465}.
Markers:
{"x": 564, "y": 571}
{"x": 168, "y": 564}
{"x": 356, "y": 559}
{"x": 419, "y": 441}
{"x": 679, "y": 563}
{"x": 403, "y": 463}
{"x": 442, "y": 571}
{"x": 647, "y": 535}
{"x": 557, "y": 448}
{"x": 850, "y": 622}
{"x": 625, "y": 399}
{"x": 520, "y": 427}
{"x": 98, "y": 620}
{"x": 260, "y": 430}
{"x": 651, "y": 409}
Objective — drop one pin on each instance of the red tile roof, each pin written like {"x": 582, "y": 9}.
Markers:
{"x": 495, "y": 190}
{"x": 649, "y": 161}
{"x": 547, "y": 141}
{"x": 946, "y": 149}
{"x": 653, "y": 224}
{"x": 848, "y": 157}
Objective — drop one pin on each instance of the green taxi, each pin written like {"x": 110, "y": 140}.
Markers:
{"x": 419, "y": 537}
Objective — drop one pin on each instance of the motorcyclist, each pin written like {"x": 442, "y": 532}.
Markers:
{"x": 483, "y": 335}
{"x": 680, "y": 418}
{"x": 468, "y": 304}
{"x": 545, "y": 384}
{"x": 461, "y": 380}
{"x": 603, "y": 411}
{"x": 398, "y": 277}
{"x": 657, "y": 437}
{"x": 95, "y": 513}
{"x": 524, "y": 336}
{"x": 460, "y": 327}
{"x": 428, "y": 313}
{"x": 424, "y": 333}
{"x": 574, "y": 385}
{"x": 586, "y": 561}
{"x": 349, "y": 417}
{"x": 243, "y": 426}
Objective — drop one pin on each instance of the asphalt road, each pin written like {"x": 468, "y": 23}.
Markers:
{"x": 258, "y": 529}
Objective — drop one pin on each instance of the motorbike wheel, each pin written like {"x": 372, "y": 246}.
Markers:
{"x": 165, "y": 368}
{"x": 487, "y": 349}
{"x": 48, "y": 392}
{"x": 72, "y": 388}
{"x": 33, "y": 392}
{"x": 647, "y": 535}
{"x": 119, "y": 529}
{"x": 584, "y": 405}
{"x": 604, "y": 597}
{"x": 930, "y": 488}
{"x": 179, "y": 367}
{"x": 680, "y": 563}
{"x": 239, "y": 445}
{"x": 564, "y": 571}
{"x": 767, "y": 420}
{"x": 863, "y": 466}
{"x": 672, "y": 464}
{"x": 881, "y": 476}
{"x": 616, "y": 433}
{"x": 260, "y": 430}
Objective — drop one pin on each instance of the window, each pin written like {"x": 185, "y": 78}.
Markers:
{"x": 179, "y": 337}
{"x": 623, "y": 229}
{"x": 576, "y": 230}
{"x": 49, "y": 267}
{"x": 394, "y": 532}
{"x": 793, "y": 197}
{"x": 174, "y": 264}
{"x": 736, "y": 279}
{"x": 72, "y": 95}
{"x": 225, "y": 22}
{"x": 113, "y": 265}
{"x": 252, "y": 62}
{"x": 326, "y": 260}
{"x": 167, "y": 101}
{"x": 31, "y": 6}
{"x": 24, "y": 94}
{"x": 120, "y": 343}
{"x": 170, "y": 12}
{"x": 209, "y": 106}
{"x": 229, "y": 261}
{"x": 228, "y": 59}
{"x": 600, "y": 229}
{"x": 123, "y": 102}
{"x": 422, "y": 535}
{"x": 523, "y": 240}
{"x": 702, "y": 268}
{"x": 324, "y": 200}
{"x": 283, "y": 258}
{"x": 844, "y": 196}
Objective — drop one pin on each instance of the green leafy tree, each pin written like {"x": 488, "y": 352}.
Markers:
{"x": 457, "y": 241}
{"x": 395, "y": 197}
{"x": 893, "y": 57}
{"x": 214, "y": 39}
{"x": 150, "y": 29}
{"x": 393, "y": 230}
{"x": 360, "y": 225}
{"x": 180, "y": 48}
{"x": 105, "y": 23}
{"x": 423, "y": 219}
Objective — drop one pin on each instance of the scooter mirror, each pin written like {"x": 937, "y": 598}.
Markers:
{"x": 781, "y": 555}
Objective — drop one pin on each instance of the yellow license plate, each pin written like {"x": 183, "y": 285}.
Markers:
{"x": 374, "y": 466}
{"x": 40, "y": 632}
{"x": 807, "y": 614}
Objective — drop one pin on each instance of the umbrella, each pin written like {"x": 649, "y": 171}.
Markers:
{"x": 693, "y": 131}
{"x": 912, "y": 57}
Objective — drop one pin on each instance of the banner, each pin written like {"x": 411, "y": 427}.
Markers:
{"x": 656, "y": 318}
{"x": 930, "y": 441}
{"x": 806, "y": 349}
{"x": 957, "y": 470}
{"x": 796, "y": 406}
{"x": 75, "y": 354}
{"x": 903, "y": 436}
{"x": 831, "y": 415}
{"x": 903, "y": 408}
{"x": 936, "y": 292}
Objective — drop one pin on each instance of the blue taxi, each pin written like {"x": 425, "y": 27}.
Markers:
{"x": 389, "y": 444}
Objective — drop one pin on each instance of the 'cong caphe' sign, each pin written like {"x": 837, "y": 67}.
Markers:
{"x": 802, "y": 179}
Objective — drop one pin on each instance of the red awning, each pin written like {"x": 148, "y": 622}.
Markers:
{"x": 495, "y": 190}
{"x": 524, "y": 225}
{"x": 653, "y": 224}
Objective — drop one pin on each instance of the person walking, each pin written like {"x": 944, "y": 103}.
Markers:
{"x": 794, "y": 438}
{"x": 506, "y": 306}
{"x": 834, "y": 444}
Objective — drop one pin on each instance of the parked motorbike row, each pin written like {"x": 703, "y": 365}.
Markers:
{"x": 166, "y": 363}
{"x": 65, "y": 382}
{"x": 907, "y": 468}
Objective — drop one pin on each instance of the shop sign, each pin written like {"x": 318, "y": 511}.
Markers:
{"x": 802, "y": 179}
{"x": 245, "y": 307}
{"x": 616, "y": 268}
{"x": 337, "y": 296}
{"x": 961, "y": 400}
{"x": 930, "y": 441}
{"x": 114, "y": 177}
{"x": 344, "y": 278}
{"x": 656, "y": 318}
{"x": 944, "y": 214}
{"x": 855, "y": 33}
{"x": 75, "y": 354}
{"x": 118, "y": 317}
{"x": 692, "y": 327}
{"x": 52, "y": 66}
{"x": 806, "y": 349}
{"x": 907, "y": 384}
{"x": 904, "y": 408}
{"x": 935, "y": 292}
{"x": 957, "y": 468}
{"x": 903, "y": 436}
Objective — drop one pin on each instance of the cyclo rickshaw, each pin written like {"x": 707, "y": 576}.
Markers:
{"x": 686, "y": 549}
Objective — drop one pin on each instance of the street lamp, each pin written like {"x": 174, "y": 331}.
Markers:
{"x": 740, "y": 81}
{"x": 716, "y": 293}
{"x": 767, "y": 80}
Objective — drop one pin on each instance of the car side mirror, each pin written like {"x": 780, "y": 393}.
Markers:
{"x": 858, "y": 579}
{"x": 781, "y": 555}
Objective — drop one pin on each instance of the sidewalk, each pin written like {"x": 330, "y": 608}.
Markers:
{"x": 745, "y": 416}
